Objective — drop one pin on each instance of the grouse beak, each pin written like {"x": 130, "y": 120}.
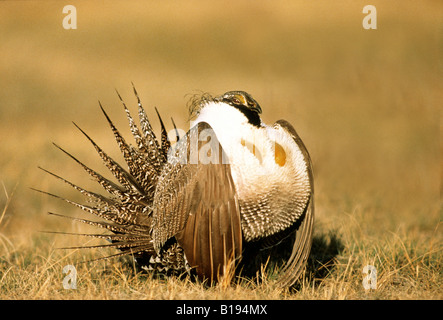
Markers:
{"x": 256, "y": 108}
{"x": 242, "y": 101}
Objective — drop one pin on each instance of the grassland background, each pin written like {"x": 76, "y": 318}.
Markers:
{"x": 366, "y": 103}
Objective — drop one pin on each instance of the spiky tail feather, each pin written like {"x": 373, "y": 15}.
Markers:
{"x": 127, "y": 211}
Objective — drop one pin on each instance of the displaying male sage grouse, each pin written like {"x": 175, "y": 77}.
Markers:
{"x": 232, "y": 187}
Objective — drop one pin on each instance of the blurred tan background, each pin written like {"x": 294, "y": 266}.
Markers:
{"x": 365, "y": 102}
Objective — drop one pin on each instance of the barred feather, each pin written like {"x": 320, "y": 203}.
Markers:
{"x": 175, "y": 217}
{"x": 127, "y": 212}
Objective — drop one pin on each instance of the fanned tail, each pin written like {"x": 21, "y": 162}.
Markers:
{"x": 126, "y": 212}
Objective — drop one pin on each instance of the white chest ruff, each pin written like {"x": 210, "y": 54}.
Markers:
{"x": 272, "y": 191}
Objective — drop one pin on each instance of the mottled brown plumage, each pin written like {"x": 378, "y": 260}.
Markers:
{"x": 200, "y": 205}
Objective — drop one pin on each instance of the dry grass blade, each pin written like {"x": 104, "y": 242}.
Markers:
{"x": 366, "y": 102}
{"x": 5, "y": 241}
{"x": 8, "y": 201}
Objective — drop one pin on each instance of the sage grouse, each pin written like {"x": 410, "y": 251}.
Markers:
{"x": 232, "y": 187}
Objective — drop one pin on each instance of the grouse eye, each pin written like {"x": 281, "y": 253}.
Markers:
{"x": 236, "y": 100}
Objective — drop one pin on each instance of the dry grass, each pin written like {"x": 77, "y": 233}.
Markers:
{"x": 366, "y": 104}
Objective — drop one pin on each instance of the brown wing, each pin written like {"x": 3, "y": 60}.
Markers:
{"x": 196, "y": 203}
{"x": 303, "y": 235}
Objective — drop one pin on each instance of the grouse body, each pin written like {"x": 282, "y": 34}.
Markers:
{"x": 228, "y": 189}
